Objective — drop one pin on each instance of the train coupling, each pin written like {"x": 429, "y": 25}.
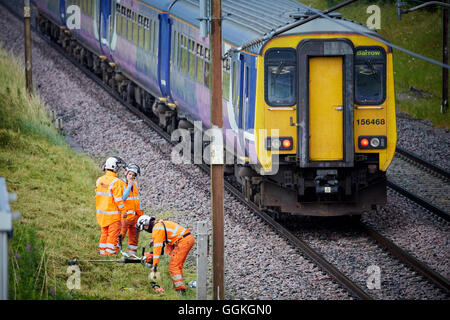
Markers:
{"x": 326, "y": 181}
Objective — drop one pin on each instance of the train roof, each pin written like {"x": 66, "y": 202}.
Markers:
{"x": 248, "y": 20}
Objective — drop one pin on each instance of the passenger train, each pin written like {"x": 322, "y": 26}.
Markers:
{"x": 325, "y": 87}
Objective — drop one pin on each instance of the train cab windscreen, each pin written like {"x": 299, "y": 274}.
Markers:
{"x": 370, "y": 76}
{"x": 280, "y": 75}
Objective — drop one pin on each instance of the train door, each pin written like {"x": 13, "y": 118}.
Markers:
{"x": 325, "y": 106}
{"x": 164, "y": 43}
{"x": 62, "y": 11}
{"x": 105, "y": 21}
{"x": 325, "y": 103}
{"x": 243, "y": 102}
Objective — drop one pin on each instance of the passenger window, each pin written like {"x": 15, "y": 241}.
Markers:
{"x": 226, "y": 79}
{"x": 183, "y": 54}
{"x": 135, "y": 29}
{"x": 280, "y": 77}
{"x": 192, "y": 58}
{"x": 370, "y": 76}
{"x": 207, "y": 68}
{"x": 118, "y": 24}
{"x": 199, "y": 74}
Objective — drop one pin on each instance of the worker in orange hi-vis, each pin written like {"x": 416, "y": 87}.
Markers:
{"x": 110, "y": 206}
{"x": 133, "y": 208}
{"x": 175, "y": 239}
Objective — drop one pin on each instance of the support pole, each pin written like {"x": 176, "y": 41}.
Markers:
{"x": 217, "y": 167}
{"x": 444, "y": 105}
{"x": 202, "y": 259}
{"x": 27, "y": 35}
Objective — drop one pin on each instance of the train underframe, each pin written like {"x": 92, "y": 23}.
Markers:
{"x": 293, "y": 190}
{"x": 318, "y": 191}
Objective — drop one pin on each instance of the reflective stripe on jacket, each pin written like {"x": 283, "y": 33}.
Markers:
{"x": 175, "y": 232}
{"x": 132, "y": 203}
{"x": 108, "y": 199}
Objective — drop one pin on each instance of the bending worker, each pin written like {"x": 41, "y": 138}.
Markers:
{"x": 176, "y": 240}
{"x": 133, "y": 207}
{"x": 110, "y": 206}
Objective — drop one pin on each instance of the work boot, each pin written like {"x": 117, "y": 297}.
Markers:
{"x": 182, "y": 292}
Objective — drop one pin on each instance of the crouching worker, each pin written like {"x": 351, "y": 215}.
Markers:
{"x": 175, "y": 239}
{"x": 133, "y": 208}
{"x": 110, "y": 206}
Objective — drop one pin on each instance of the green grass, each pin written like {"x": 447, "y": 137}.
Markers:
{"x": 55, "y": 188}
{"x": 420, "y": 32}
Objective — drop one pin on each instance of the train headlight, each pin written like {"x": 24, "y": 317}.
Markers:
{"x": 372, "y": 142}
{"x": 275, "y": 144}
{"x": 279, "y": 143}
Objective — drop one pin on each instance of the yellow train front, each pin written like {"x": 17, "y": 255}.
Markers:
{"x": 325, "y": 127}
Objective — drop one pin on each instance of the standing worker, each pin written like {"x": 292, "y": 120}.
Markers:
{"x": 110, "y": 206}
{"x": 133, "y": 208}
{"x": 179, "y": 241}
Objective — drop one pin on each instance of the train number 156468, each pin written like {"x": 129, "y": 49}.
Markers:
{"x": 367, "y": 122}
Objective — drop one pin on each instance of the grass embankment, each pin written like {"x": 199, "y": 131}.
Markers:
{"x": 420, "y": 32}
{"x": 55, "y": 188}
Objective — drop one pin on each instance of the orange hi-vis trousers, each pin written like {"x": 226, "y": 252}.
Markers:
{"x": 133, "y": 236}
{"x": 178, "y": 255}
{"x": 109, "y": 239}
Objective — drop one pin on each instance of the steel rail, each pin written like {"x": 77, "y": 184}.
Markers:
{"x": 420, "y": 201}
{"x": 416, "y": 265}
{"x": 425, "y": 163}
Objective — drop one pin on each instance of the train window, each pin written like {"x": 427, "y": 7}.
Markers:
{"x": 118, "y": 24}
{"x": 199, "y": 74}
{"x": 280, "y": 77}
{"x": 124, "y": 26}
{"x": 233, "y": 85}
{"x": 207, "y": 68}
{"x": 183, "y": 52}
{"x": 147, "y": 39}
{"x": 192, "y": 58}
{"x": 226, "y": 79}
{"x": 175, "y": 49}
{"x": 155, "y": 43}
{"x": 135, "y": 32}
{"x": 141, "y": 36}
{"x": 370, "y": 76}
{"x": 129, "y": 30}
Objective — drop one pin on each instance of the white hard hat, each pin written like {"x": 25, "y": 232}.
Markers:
{"x": 113, "y": 163}
{"x": 144, "y": 221}
{"x": 133, "y": 168}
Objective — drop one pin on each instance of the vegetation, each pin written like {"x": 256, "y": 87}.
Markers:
{"x": 55, "y": 188}
{"x": 417, "y": 82}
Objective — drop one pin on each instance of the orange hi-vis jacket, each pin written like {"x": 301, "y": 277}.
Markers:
{"x": 108, "y": 199}
{"x": 132, "y": 204}
{"x": 175, "y": 232}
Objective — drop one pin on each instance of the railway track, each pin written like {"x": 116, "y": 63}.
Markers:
{"x": 421, "y": 181}
{"x": 353, "y": 288}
